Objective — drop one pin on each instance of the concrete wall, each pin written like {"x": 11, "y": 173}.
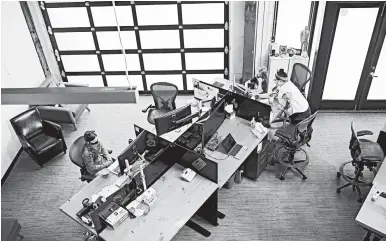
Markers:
{"x": 20, "y": 67}
{"x": 236, "y": 38}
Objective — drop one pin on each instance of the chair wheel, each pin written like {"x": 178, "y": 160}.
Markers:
{"x": 282, "y": 178}
{"x": 304, "y": 178}
{"x": 338, "y": 190}
{"x": 338, "y": 175}
{"x": 360, "y": 200}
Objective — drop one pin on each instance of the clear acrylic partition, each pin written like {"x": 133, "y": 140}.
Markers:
{"x": 162, "y": 61}
{"x": 81, "y": 63}
{"x": 201, "y": 61}
{"x": 116, "y": 62}
{"x": 203, "y": 77}
{"x": 120, "y": 80}
{"x": 157, "y": 14}
{"x": 351, "y": 43}
{"x": 75, "y": 41}
{"x": 204, "y": 38}
{"x": 110, "y": 40}
{"x": 91, "y": 81}
{"x": 174, "y": 79}
{"x": 378, "y": 85}
{"x": 212, "y": 13}
{"x": 160, "y": 39}
{"x": 68, "y": 17}
{"x": 104, "y": 16}
{"x": 292, "y": 18}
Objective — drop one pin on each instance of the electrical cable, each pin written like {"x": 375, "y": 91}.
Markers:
{"x": 123, "y": 49}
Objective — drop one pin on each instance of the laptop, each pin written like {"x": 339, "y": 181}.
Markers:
{"x": 230, "y": 146}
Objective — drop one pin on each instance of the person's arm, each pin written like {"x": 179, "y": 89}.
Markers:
{"x": 91, "y": 167}
{"x": 105, "y": 153}
{"x": 288, "y": 108}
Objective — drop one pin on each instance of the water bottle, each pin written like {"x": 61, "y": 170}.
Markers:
{"x": 253, "y": 122}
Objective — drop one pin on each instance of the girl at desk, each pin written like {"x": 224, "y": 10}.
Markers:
{"x": 258, "y": 84}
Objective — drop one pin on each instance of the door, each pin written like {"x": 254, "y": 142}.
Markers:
{"x": 350, "y": 46}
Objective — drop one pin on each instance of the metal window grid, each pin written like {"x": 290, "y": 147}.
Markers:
{"x": 136, "y": 28}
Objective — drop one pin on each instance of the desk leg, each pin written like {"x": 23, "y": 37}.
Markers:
{"x": 198, "y": 228}
{"x": 209, "y": 210}
{"x": 376, "y": 238}
{"x": 368, "y": 235}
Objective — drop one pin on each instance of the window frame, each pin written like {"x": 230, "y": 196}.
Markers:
{"x": 137, "y": 28}
{"x": 311, "y": 22}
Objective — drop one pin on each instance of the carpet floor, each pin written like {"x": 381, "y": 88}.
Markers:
{"x": 267, "y": 209}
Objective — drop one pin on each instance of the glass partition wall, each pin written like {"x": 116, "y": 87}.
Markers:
{"x": 163, "y": 41}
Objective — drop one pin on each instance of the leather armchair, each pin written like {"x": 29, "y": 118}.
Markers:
{"x": 41, "y": 139}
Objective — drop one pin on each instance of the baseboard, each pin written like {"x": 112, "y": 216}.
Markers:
{"x": 6, "y": 174}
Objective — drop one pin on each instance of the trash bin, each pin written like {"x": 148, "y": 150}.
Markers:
{"x": 230, "y": 182}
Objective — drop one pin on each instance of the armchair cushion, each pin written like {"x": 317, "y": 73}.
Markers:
{"x": 43, "y": 142}
{"x": 28, "y": 124}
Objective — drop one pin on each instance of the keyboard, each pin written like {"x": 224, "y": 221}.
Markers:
{"x": 235, "y": 150}
{"x": 218, "y": 84}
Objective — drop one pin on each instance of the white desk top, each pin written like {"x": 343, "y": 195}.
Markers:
{"x": 176, "y": 204}
{"x": 74, "y": 204}
{"x": 372, "y": 215}
{"x": 241, "y": 132}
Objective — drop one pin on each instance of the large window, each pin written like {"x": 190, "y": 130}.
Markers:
{"x": 291, "y": 18}
{"x": 163, "y": 41}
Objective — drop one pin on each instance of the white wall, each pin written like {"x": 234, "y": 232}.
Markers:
{"x": 20, "y": 67}
{"x": 236, "y": 38}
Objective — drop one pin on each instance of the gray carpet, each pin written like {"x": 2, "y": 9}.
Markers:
{"x": 268, "y": 209}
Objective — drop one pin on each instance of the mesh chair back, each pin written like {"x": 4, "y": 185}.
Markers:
{"x": 164, "y": 95}
{"x": 76, "y": 151}
{"x": 355, "y": 148}
{"x": 300, "y": 75}
{"x": 304, "y": 129}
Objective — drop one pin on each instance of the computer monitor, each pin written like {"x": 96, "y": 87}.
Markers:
{"x": 170, "y": 120}
{"x": 130, "y": 153}
{"x": 213, "y": 122}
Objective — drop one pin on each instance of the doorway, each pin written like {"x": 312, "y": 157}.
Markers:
{"x": 348, "y": 73}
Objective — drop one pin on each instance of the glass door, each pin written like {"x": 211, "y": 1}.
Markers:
{"x": 374, "y": 96}
{"x": 351, "y": 33}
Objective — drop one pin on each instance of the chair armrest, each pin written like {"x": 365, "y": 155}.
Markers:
{"x": 51, "y": 128}
{"x": 147, "y": 108}
{"x": 26, "y": 144}
{"x": 74, "y": 85}
{"x": 364, "y": 133}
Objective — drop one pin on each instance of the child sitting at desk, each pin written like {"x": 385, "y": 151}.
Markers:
{"x": 258, "y": 84}
{"x": 95, "y": 156}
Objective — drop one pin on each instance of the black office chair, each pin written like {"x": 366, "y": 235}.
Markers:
{"x": 164, "y": 95}
{"x": 41, "y": 139}
{"x": 291, "y": 139}
{"x": 75, "y": 154}
{"x": 300, "y": 76}
{"x": 364, "y": 153}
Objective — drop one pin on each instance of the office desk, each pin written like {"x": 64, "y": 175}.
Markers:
{"x": 74, "y": 204}
{"x": 226, "y": 87}
{"x": 372, "y": 215}
{"x": 177, "y": 202}
{"x": 172, "y": 135}
{"x": 241, "y": 132}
